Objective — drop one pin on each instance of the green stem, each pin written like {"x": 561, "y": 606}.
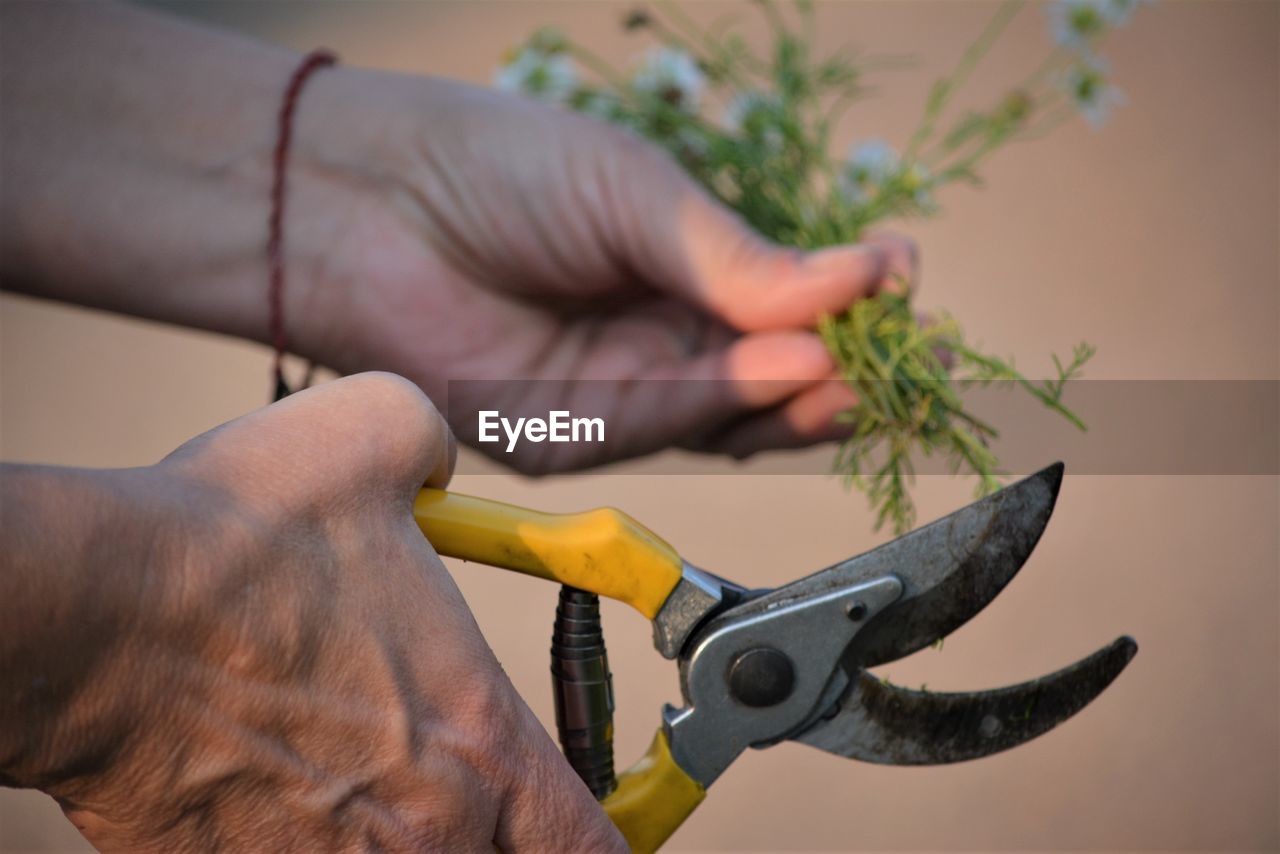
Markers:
{"x": 808, "y": 20}
{"x": 1050, "y": 62}
{"x": 968, "y": 62}
{"x": 606, "y": 71}
{"x": 1043, "y": 127}
{"x": 694, "y": 40}
{"x": 774, "y": 17}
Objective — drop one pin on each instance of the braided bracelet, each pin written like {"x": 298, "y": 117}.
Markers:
{"x": 312, "y": 62}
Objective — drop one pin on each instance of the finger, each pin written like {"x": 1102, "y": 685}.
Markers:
{"x": 660, "y": 375}
{"x": 807, "y": 419}
{"x": 677, "y": 403}
{"x": 671, "y": 231}
{"x": 368, "y": 431}
{"x": 753, "y": 285}
{"x": 902, "y": 261}
{"x": 381, "y": 424}
{"x": 548, "y": 808}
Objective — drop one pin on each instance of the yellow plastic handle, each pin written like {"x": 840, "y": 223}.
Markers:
{"x": 653, "y": 798}
{"x": 604, "y": 551}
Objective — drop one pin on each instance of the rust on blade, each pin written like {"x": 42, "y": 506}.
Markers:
{"x": 887, "y": 724}
{"x": 984, "y": 547}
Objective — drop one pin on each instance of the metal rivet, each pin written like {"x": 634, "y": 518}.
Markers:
{"x": 761, "y": 677}
{"x": 990, "y": 726}
{"x": 857, "y": 611}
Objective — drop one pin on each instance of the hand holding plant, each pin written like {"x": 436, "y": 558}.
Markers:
{"x": 768, "y": 157}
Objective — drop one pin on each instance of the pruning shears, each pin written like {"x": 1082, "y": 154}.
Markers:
{"x": 758, "y": 667}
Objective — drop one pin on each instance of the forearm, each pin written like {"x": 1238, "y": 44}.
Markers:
{"x": 136, "y": 164}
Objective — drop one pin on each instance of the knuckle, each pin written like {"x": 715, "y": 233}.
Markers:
{"x": 743, "y": 288}
{"x": 901, "y": 249}
{"x": 391, "y": 396}
{"x": 555, "y": 804}
{"x": 411, "y": 434}
{"x": 485, "y": 707}
{"x": 599, "y": 834}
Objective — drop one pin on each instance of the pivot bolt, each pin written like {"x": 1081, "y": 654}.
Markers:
{"x": 761, "y": 677}
{"x": 857, "y": 611}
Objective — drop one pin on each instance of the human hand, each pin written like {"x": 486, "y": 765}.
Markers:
{"x": 432, "y": 229}
{"x": 268, "y": 655}
{"x": 502, "y": 239}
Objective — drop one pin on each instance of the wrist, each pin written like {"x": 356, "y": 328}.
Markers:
{"x": 143, "y": 186}
{"x": 79, "y": 558}
{"x": 354, "y": 213}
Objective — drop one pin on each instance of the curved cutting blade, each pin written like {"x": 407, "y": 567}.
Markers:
{"x": 886, "y": 724}
{"x": 955, "y": 566}
{"x": 950, "y": 569}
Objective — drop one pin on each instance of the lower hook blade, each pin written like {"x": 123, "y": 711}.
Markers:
{"x": 890, "y": 725}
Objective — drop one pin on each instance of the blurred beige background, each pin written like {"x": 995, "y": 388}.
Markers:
{"x": 1155, "y": 238}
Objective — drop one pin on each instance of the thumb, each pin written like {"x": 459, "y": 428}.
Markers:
{"x": 694, "y": 247}
{"x": 373, "y": 433}
{"x": 754, "y": 285}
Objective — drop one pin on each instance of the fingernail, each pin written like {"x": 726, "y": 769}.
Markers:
{"x": 869, "y": 260}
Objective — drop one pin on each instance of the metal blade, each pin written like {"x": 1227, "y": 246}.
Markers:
{"x": 956, "y": 565}
{"x": 950, "y": 569}
{"x": 886, "y": 724}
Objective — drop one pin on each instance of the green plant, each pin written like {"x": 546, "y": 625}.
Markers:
{"x": 769, "y": 158}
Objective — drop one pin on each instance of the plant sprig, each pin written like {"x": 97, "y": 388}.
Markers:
{"x": 769, "y": 158}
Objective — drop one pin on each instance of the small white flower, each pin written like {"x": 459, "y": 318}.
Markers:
{"x": 1087, "y": 85}
{"x": 1077, "y": 23}
{"x": 548, "y": 76}
{"x": 872, "y": 164}
{"x": 747, "y": 106}
{"x": 758, "y": 116}
{"x": 672, "y": 75}
{"x": 873, "y": 159}
{"x": 1120, "y": 11}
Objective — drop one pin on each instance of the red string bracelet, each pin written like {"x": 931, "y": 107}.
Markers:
{"x": 311, "y": 63}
